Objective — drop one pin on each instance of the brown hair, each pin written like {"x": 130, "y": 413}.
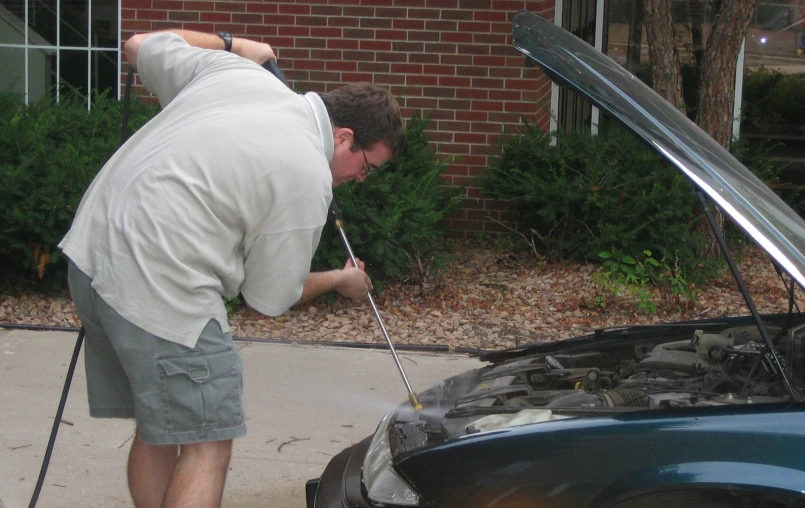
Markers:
{"x": 371, "y": 112}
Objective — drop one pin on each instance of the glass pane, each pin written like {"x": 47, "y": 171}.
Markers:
{"x": 104, "y": 24}
{"x": 12, "y": 22}
{"x": 42, "y": 22}
{"x": 73, "y": 71}
{"x": 12, "y": 61}
{"x": 626, "y": 39}
{"x": 41, "y": 73}
{"x": 74, "y": 17}
{"x": 104, "y": 72}
{"x": 774, "y": 39}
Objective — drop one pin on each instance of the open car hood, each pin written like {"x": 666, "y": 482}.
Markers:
{"x": 571, "y": 62}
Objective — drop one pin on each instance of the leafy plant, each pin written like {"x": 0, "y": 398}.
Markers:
{"x": 638, "y": 277}
{"x": 49, "y": 153}
{"x": 395, "y": 219}
{"x": 576, "y": 195}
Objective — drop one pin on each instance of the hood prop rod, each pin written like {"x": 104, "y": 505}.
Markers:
{"x": 771, "y": 352}
{"x": 338, "y": 222}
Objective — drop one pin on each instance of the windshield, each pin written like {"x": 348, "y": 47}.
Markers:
{"x": 571, "y": 62}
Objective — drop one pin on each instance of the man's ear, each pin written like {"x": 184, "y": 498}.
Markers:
{"x": 343, "y": 135}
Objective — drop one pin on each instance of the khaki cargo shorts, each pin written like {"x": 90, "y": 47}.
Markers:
{"x": 177, "y": 395}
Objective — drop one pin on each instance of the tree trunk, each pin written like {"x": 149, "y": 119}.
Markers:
{"x": 666, "y": 70}
{"x": 717, "y": 72}
{"x": 717, "y": 85}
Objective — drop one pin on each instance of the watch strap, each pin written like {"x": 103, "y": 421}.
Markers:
{"x": 227, "y": 37}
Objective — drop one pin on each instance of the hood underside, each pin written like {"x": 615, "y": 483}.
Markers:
{"x": 571, "y": 62}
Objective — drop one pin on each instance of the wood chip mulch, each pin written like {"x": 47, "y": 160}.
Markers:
{"x": 485, "y": 299}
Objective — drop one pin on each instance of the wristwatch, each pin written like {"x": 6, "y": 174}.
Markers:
{"x": 227, "y": 37}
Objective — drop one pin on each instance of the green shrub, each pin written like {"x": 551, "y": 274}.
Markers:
{"x": 587, "y": 194}
{"x": 771, "y": 98}
{"x": 49, "y": 154}
{"x": 394, "y": 220}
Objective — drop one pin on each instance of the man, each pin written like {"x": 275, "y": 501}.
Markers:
{"x": 224, "y": 192}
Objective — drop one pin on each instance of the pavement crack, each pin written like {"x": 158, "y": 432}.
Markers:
{"x": 292, "y": 440}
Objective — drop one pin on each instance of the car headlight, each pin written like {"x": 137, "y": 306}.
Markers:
{"x": 383, "y": 484}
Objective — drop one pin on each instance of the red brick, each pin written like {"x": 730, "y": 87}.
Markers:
{"x": 454, "y": 81}
{"x": 439, "y": 47}
{"x": 456, "y": 59}
{"x": 439, "y": 91}
{"x": 359, "y": 56}
{"x": 389, "y": 79}
{"x": 415, "y": 79}
{"x": 307, "y": 42}
{"x": 510, "y": 118}
{"x": 326, "y": 10}
{"x": 406, "y": 68}
{"x": 358, "y": 33}
{"x": 416, "y": 35}
{"x": 216, "y": 17}
{"x": 455, "y": 127}
{"x": 376, "y": 23}
{"x": 376, "y": 45}
{"x": 392, "y": 35}
{"x": 441, "y": 26}
{"x": 343, "y": 21}
{"x": 261, "y": 7}
{"x": 408, "y": 24}
{"x": 439, "y": 69}
{"x": 168, "y": 5}
{"x": 249, "y": 19}
{"x": 487, "y": 38}
{"x": 359, "y": 12}
{"x": 326, "y": 54}
{"x": 423, "y": 58}
{"x": 340, "y": 66}
{"x": 456, "y": 14}
{"x": 290, "y": 8}
{"x": 295, "y": 53}
{"x": 230, "y": 6}
{"x": 263, "y": 30}
{"x": 455, "y": 104}
{"x": 374, "y": 67}
{"x": 422, "y": 102}
{"x": 408, "y": 3}
{"x": 311, "y": 20}
{"x": 487, "y": 15}
{"x": 342, "y": 44}
{"x": 392, "y": 12}
{"x": 424, "y": 13}
{"x": 489, "y": 61}
{"x": 456, "y": 37}
{"x": 356, "y": 77}
{"x": 325, "y": 76}
{"x": 136, "y": 4}
{"x": 183, "y": 16}
{"x": 152, "y": 15}
{"x": 391, "y": 57}
{"x": 505, "y": 95}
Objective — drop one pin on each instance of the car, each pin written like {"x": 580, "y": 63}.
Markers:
{"x": 704, "y": 413}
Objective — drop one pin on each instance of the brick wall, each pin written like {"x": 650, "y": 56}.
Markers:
{"x": 452, "y": 59}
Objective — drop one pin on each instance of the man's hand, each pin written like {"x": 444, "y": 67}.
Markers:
{"x": 355, "y": 282}
{"x": 350, "y": 281}
{"x": 257, "y": 52}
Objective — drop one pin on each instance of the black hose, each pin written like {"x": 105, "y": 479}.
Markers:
{"x": 57, "y": 420}
{"x": 422, "y": 348}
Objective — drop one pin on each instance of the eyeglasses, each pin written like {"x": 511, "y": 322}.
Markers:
{"x": 368, "y": 169}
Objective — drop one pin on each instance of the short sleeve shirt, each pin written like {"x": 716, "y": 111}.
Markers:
{"x": 224, "y": 192}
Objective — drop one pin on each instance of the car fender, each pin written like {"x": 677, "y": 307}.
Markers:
{"x": 700, "y": 474}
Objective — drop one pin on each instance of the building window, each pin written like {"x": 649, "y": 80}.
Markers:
{"x": 70, "y": 43}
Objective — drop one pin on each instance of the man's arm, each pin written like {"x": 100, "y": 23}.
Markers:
{"x": 258, "y": 52}
{"x": 350, "y": 282}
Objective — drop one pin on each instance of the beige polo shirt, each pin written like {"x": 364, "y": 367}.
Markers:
{"x": 225, "y": 191}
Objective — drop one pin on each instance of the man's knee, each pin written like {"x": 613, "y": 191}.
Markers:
{"x": 212, "y": 452}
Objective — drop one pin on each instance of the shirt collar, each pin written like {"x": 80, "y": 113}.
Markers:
{"x": 323, "y": 123}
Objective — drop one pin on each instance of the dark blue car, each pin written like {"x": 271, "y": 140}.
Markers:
{"x": 706, "y": 413}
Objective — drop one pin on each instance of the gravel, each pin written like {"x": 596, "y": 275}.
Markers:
{"x": 486, "y": 299}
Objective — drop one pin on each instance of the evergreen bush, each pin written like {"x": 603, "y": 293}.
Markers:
{"x": 394, "y": 220}
{"x": 49, "y": 153}
{"x": 586, "y": 194}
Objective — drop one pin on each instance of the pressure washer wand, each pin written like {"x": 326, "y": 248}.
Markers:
{"x": 338, "y": 222}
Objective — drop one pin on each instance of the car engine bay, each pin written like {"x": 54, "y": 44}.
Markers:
{"x": 724, "y": 367}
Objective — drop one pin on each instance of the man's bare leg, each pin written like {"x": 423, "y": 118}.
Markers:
{"x": 150, "y": 470}
{"x": 199, "y": 476}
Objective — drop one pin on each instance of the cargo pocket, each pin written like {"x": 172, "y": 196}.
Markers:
{"x": 201, "y": 391}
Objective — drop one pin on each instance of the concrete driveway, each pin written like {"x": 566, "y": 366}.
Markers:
{"x": 304, "y": 404}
